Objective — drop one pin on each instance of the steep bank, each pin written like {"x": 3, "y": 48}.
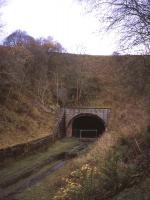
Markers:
{"x": 30, "y": 94}
{"x": 118, "y": 161}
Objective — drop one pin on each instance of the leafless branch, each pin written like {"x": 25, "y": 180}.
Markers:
{"x": 130, "y": 17}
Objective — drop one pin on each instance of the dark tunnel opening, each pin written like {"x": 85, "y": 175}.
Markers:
{"x": 87, "y": 126}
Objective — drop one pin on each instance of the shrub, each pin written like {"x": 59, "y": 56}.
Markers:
{"x": 79, "y": 185}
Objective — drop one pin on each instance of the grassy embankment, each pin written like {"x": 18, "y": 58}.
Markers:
{"x": 122, "y": 84}
{"x": 22, "y": 121}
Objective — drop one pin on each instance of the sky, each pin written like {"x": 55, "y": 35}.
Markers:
{"x": 66, "y": 21}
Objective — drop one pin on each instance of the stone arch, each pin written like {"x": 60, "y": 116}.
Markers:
{"x": 86, "y": 125}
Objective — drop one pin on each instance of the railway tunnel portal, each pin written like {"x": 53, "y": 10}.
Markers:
{"x": 85, "y": 122}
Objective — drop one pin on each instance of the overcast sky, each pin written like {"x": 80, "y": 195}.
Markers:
{"x": 65, "y": 20}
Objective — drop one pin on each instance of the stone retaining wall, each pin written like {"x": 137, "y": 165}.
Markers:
{"x": 25, "y": 148}
{"x": 19, "y": 150}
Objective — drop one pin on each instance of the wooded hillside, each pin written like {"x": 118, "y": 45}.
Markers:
{"x": 34, "y": 83}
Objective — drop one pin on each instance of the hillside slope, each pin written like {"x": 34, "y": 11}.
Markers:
{"x": 29, "y": 91}
{"x": 34, "y": 84}
{"x": 117, "y": 166}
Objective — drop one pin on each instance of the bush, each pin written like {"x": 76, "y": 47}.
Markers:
{"x": 79, "y": 185}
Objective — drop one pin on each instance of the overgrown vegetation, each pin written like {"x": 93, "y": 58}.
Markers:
{"x": 105, "y": 176}
{"x": 35, "y": 82}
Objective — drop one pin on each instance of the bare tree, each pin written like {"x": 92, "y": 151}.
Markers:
{"x": 51, "y": 45}
{"x": 130, "y": 17}
{"x": 19, "y": 38}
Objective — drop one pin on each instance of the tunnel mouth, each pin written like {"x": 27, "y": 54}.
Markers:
{"x": 87, "y": 126}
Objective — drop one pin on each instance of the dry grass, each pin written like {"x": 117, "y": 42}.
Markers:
{"x": 23, "y": 121}
{"x": 129, "y": 117}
